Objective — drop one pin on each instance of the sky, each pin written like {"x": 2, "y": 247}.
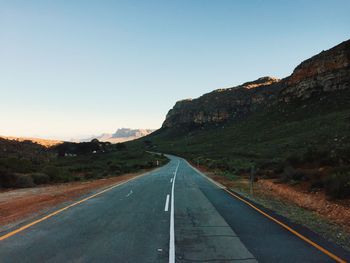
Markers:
{"x": 71, "y": 69}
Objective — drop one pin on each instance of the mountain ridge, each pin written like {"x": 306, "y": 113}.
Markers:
{"x": 121, "y": 135}
{"x": 327, "y": 71}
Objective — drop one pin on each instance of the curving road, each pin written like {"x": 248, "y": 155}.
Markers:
{"x": 173, "y": 214}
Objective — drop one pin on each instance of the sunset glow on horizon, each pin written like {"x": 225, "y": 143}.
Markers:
{"x": 72, "y": 69}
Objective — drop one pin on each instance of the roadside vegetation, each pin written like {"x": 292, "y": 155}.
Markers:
{"x": 300, "y": 153}
{"x": 303, "y": 142}
{"x": 27, "y": 164}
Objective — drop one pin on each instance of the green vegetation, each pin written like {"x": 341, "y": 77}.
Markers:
{"x": 281, "y": 140}
{"x": 28, "y": 164}
{"x": 338, "y": 184}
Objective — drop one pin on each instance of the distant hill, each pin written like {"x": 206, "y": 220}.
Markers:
{"x": 43, "y": 142}
{"x": 121, "y": 135}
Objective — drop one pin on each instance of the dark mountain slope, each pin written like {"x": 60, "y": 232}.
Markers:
{"x": 326, "y": 72}
{"x": 300, "y": 121}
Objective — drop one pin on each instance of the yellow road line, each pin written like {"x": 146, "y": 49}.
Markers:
{"x": 14, "y": 232}
{"x": 325, "y": 251}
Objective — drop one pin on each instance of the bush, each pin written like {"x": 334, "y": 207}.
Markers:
{"x": 291, "y": 174}
{"x": 17, "y": 165}
{"x": 120, "y": 146}
{"x": 316, "y": 184}
{"x": 40, "y": 178}
{"x": 321, "y": 157}
{"x": 24, "y": 180}
{"x": 337, "y": 185}
{"x": 7, "y": 179}
{"x": 58, "y": 174}
{"x": 53, "y": 172}
{"x": 293, "y": 160}
{"x": 279, "y": 168}
{"x": 15, "y": 180}
{"x": 115, "y": 167}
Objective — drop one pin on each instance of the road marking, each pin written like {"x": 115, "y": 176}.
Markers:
{"x": 166, "y": 208}
{"x": 172, "y": 228}
{"x": 325, "y": 251}
{"x": 171, "y": 180}
{"x": 14, "y": 232}
{"x": 130, "y": 193}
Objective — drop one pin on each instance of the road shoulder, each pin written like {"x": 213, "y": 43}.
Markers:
{"x": 21, "y": 205}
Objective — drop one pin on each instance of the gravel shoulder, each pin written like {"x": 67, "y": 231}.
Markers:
{"x": 18, "y": 205}
{"x": 330, "y": 219}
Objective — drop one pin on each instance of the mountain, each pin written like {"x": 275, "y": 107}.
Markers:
{"x": 296, "y": 128}
{"x": 121, "y": 135}
{"x": 43, "y": 142}
{"x": 326, "y": 72}
{"x": 127, "y": 133}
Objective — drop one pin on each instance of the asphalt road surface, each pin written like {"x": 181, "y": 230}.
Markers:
{"x": 173, "y": 214}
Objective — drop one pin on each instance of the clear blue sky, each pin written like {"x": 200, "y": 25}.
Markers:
{"x": 75, "y": 68}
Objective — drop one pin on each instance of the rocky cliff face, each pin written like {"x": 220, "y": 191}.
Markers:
{"x": 328, "y": 71}
{"x": 222, "y": 104}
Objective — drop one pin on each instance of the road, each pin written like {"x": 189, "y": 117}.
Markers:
{"x": 172, "y": 214}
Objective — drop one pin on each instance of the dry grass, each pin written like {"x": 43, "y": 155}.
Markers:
{"x": 336, "y": 211}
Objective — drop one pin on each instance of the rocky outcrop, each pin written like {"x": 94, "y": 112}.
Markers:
{"x": 326, "y": 72}
{"x": 222, "y": 104}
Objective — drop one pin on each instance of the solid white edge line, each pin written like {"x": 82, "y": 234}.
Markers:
{"x": 172, "y": 228}
{"x": 166, "y": 208}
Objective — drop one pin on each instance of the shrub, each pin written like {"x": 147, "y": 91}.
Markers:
{"x": 120, "y": 146}
{"x": 58, "y": 175}
{"x": 293, "y": 160}
{"x": 291, "y": 174}
{"x": 150, "y": 164}
{"x": 321, "y": 157}
{"x": 91, "y": 175}
{"x": 15, "y": 180}
{"x": 279, "y": 168}
{"x": 53, "y": 172}
{"x": 40, "y": 178}
{"x": 316, "y": 184}
{"x": 337, "y": 185}
{"x": 24, "y": 180}
{"x": 115, "y": 167}
{"x": 17, "y": 165}
{"x": 7, "y": 179}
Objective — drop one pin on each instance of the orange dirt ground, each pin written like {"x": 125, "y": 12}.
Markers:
{"x": 18, "y": 204}
{"x": 337, "y": 211}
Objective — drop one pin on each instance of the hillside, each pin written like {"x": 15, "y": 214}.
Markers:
{"x": 43, "y": 142}
{"x": 295, "y": 129}
{"x": 322, "y": 74}
{"x": 27, "y": 163}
